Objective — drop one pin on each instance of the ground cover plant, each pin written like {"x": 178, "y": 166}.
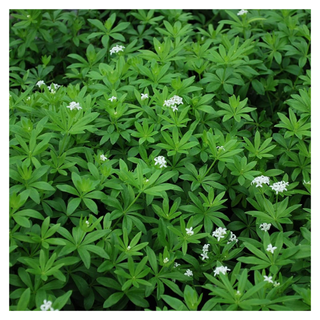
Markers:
{"x": 160, "y": 160}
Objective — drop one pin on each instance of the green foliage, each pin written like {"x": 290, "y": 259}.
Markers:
{"x": 137, "y": 142}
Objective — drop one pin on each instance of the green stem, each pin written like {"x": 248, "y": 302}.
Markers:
{"x": 211, "y": 167}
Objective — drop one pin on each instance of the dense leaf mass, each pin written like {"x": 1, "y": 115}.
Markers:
{"x": 160, "y": 160}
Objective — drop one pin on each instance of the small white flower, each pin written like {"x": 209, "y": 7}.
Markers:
{"x": 219, "y": 233}
{"x": 144, "y": 96}
{"x": 172, "y": 102}
{"x": 279, "y": 186}
{"x": 112, "y": 98}
{"x": 161, "y": 161}
{"x": 74, "y": 105}
{"x": 46, "y": 305}
{"x": 147, "y": 180}
{"x": 103, "y": 157}
{"x": 165, "y": 260}
{"x": 176, "y": 264}
{"x": 276, "y": 284}
{"x": 268, "y": 279}
{"x": 260, "y": 180}
{"x": 265, "y": 226}
{"x": 116, "y": 49}
{"x": 241, "y": 12}
{"x": 128, "y": 247}
{"x": 28, "y": 16}
{"x": 40, "y": 83}
{"x": 28, "y": 98}
{"x": 221, "y": 148}
{"x": 87, "y": 223}
{"x": 233, "y": 237}
{"x": 189, "y": 231}
{"x": 206, "y": 247}
{"x": 222, "y": 269}
{"x": 270, "y": 248}
{"x": 204, "y": 255}
{"x": 188, "y": 273}
{"x": 238, "y": 293}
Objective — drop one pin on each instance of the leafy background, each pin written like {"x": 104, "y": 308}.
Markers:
{"x": 245, "y": 83}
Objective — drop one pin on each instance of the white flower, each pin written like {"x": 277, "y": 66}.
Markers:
{"x": 53, "y": 87}
{"x": 103, "y": 157}
{"x": 28, "y": 98}
{"x": 172, "y": 102}
{"x": 270, "y": 248}
{"x": 279, "y": 186}
{"x": 116, "y": 49}
{"x": 176, "y": 264}
{"x": 241, "y": 12}
{"x": 128, "y": 247}
{"x": 28, "y": 16}
{"x": 219, "y": 233}
{"x": 268, "y": 279}
{"x": 205, "y": 247}
{"x": 265, "y": 226}
{"x": 222, "y": 269}
{"x": 144, "y": 96}
{"x": 74, "y": 105}
{"x": 205, "y": 250}
{"x": 238, "y": 293}
{"x": 233, "y": 237}
{"x": 189, "y": 231}
{"x": 188, "y": 273}
{"x": 40, "y": 83}
{"x": 260, "y": 180}
{"x": 204, "y": 255}
{"x": 276, "y": 284}
{"x": 160, "y": 160}
{"x": 221, "y": 148}
{"x": 46, "y": 305}
{"x": 165, "y": 260}
{"x": 112, "y": 98}
{"x": 87, "y": 223}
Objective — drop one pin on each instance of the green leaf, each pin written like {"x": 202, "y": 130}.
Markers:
{"x": 174, "y": 303}
{"x": 113, "y": 299}
{"x": 24, "y": 300}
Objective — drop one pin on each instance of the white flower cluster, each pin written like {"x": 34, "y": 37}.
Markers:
{"x": 173, "y": 102}
{"x": 176, "y": 264}
{"x": 205, "y": 250}
{"x": 233, "y": 237}
{"x": 40, "y": 83}
{"x": 103, "y": 157}
{"x": 74, "y": 105}
{"x": 116, "y": 49}
{"x": 46, "y": 306}
{"x": 53, "y": 87}
{"x": 265, "y": 226}
{"x": 161, "y": 161}
{"x": 279, "y": 186}
{"x": 112, "y": 98}
{"x": 189, "y": 231}
{"x": 144, "y": 96}
{"x": 219, "y": 233}
{"x": 260, "y": 180}
{"x": 165, "y": 260}
{"x": 222, "y": 269}
{"x": 269, "y": 280}
{"x": 270, "y": 248}
{"x": 188, "y": 273}
{"x": 241, "y": 12}
{"x": 221, "y": 148}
